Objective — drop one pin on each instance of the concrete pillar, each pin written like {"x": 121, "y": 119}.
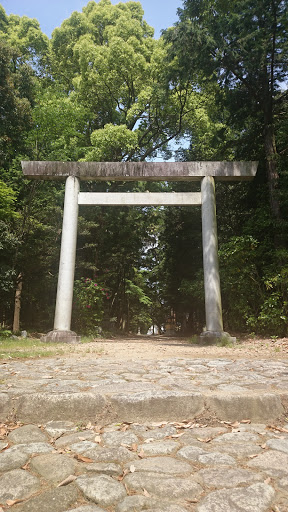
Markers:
{"x": 213, "y": 305}
{"x": 63, "y": 311}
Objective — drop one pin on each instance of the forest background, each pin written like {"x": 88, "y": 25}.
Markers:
{"x": 102, "y": 88}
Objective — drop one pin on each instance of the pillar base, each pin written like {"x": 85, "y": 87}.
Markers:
{"x": 216, "y": 338}
{"x": 61, "y": 337}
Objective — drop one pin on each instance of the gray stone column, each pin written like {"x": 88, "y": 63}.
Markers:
{"x": 213, "y": 304}
{"x": 63, "y": 310}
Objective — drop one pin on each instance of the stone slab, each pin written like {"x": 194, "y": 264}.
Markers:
{"x": 160, "y": 405}
{"x": 102, "y": 489}
{"x": 135, "y": 171}
{"x": 42, "y": 407}
{"x": 256, "y": 498}
{"x": 256, "y": 407}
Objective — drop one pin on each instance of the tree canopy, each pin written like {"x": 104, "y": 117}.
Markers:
{"x": 102, "y": 88}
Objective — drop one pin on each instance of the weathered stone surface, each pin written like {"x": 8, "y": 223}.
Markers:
{"x": 157, "y": 405}
{"x": 256, "y": 498}
{"x": 33, "y": 448}
{"x": 283, "y": 483}
{"x": 117, "y": 438}
{"x": 54, "y": 500}
{"x": 158, "y": 433}
{"x": 105, "y": 468}
{"x": 74, "y": 438}
{"x": 191, "y": 453}
{"x": 159, "y": 448}
{"x": 53, "y": 466}
{"x": 139, "y": 503}
{"x": 27, "y": 434}
{"x": 144, "y": 171}
{"x": 237, "y": 437}
{"x": 119, "y": 454}
{"x": 42, "y": 407}
{"x": 86, "y": 508}
{"x": 132, "y": 503}
{"x": 57, "y": 428}
{"x": 240, "y": 450}
{"x": 12, "y": 459}
{"x": 202, "y": 432}
{"x": 5, "y": 406}
{"x": 3, "y": 445}
{"x": 264, "y": 407}
{"x": 83, "y": 446}
{"x": 168, "y": 508}
{"x": 227, "y": 477}
{"x": 216, "y": 459}
{"x": 163, "y": 486}
{"x": 101, "y": 489}
{"x": 17, "y": 484}
{"x": 162, "y": 465}
{"x": 278, "y": 444}
{"x": 272, "y": 462}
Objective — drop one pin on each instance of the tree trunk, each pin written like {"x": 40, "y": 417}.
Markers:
{"x": 271, "y": 168}
{"x": 17, "y": 304}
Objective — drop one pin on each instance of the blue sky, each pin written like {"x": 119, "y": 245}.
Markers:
{"x": 160, "y": 14}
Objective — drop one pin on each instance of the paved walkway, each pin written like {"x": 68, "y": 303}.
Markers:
{"x": 174, "y": 435}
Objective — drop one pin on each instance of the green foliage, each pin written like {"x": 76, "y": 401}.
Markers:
{"x": 103, "y": 89}
{"x": 88, "y": 306}
{"x": 112, "y": 143}
{"x": 240, "y": 282}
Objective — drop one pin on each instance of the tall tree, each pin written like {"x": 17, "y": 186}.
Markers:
{"x": 243, "y": 44}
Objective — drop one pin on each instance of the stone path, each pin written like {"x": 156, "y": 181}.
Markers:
{"x": 172, "y": 389}
{"x": 156, "y": 467}
{"x": 176, "y": 435}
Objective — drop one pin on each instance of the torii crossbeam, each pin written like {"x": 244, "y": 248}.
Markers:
{"x": 74, "y": 172}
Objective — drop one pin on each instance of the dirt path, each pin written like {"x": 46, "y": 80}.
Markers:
{"x": 161, "y": 347}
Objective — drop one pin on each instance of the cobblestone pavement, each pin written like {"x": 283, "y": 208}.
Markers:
{"x": 105, "y": 390}
{"x": 174, "y": 435}
{"x": 156, "y": 467}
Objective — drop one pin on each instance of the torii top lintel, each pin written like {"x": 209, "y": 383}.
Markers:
{"x": 140, "y": 171}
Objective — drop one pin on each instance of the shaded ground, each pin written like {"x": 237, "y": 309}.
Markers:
{"x": 161, "y": 347}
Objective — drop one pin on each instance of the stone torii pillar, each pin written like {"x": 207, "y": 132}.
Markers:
{"x": 213, "y": 303}
{"x": 64, "y": 298}
{"x": 139, "y": 171}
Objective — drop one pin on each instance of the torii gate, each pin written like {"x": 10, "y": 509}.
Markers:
{"x": 74, "y": 172}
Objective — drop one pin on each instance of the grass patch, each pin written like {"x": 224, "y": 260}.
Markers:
{"x": 27, "y": 348}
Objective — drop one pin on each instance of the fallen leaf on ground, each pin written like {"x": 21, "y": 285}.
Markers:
{"x": 97, "y": 439}
{"x": 141, "y": 454}
{"x": 149, "y": 440}
{"x": 10, "y": 503}
{"x": 125, "y": 472}
{"x": 207, "y": 440}
{"x": 81, "y": 458}
{"x": 67, "y": 480}
{"x": 279, "y": 429}
{"x": 245, "y": 421}
{"x": 146, "y": 493}
{"x": 253, "y": 456}
{"x": 132, "y": 469}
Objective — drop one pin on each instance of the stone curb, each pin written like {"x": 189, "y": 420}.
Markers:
{"x": 142, "y": 406}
